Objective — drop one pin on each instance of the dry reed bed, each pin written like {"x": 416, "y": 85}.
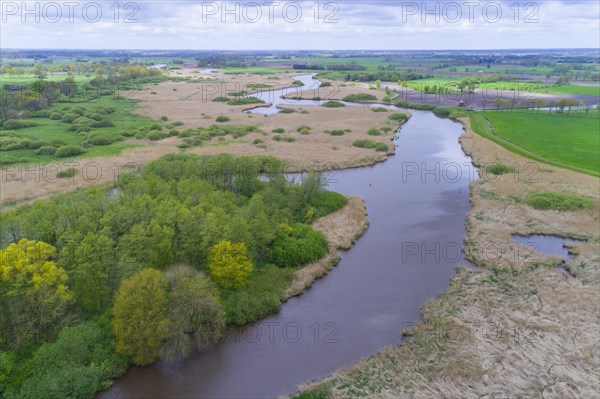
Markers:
{"x": 515, "y": 328}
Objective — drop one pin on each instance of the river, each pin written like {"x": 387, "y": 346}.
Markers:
{"x": 417, "y": 203}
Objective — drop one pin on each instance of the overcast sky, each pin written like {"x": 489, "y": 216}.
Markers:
{"x": 349, "y": 24}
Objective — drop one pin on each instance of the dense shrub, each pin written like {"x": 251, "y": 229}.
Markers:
{"x": 279, "y": 130}
{"x": 333, "y": 104}
{"x": 46, "y": 150}
{"x": 18, "y": 124}
{"x": 262, "y": 296}
{"x": 499, "y": 169}
{"x": 379, "y": 109}
{"x": 69, "y": 172}
{"x": 558, "y": 201}
{"x": 222, "y": 119}
{"x": 374, "y": 132}
{"x": 327, "y": 202}
{"x": 375, "y": 145}
{"x": 425, "y": 107}
{"x": 301, "y": 246}
{"x": 102, "y": 123}
{"x": 101, "y": 138}
{"x": 56, "y": 116}
{"x": 156, "y": 135}
{"x": 336, "y": 132}
{"x": 69, "y": 151}
{"x": 398, "y": 116}
{"x": 69, "y": 117}
{"x": 245, "y": 101}
{"x": 287, "y": 111}
{"x": 360, "y": 97}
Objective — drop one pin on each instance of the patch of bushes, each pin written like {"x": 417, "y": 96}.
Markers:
{"x": 328, "y": 202}
{"x": 558, "y": 201}
{"x": 325, "y": 84}
{"x": 55, "y": 116}
{"x": 370, "y": 144}
{"x": 156, "y": 135}
{"x": 245, "y": 101}
{"x": 69, "y": 172}
{"x": 398, "y": 116}
{"x": 333, "y": 104}
{"x": 301, "y": 246}
{"x": 102, "y": 123}
{"x": 279, "y": 130}
{"x": 101, "y": 138}
{"x": 297, "y": 83}
{"x": 222, "y": 119}
{"x": 379, "y": 109}
{"x": 69, "y": 151}
{"x": 423, "y": 107}
{"x": 287, "y": 111}
{"x": 499, "y": 169}
{"x": 221, "y": 99}
{"x": 262, "y": 296}
{"x": 352, "y": 98}
{"x": 258, "y": 141}
{"x": 303, "y": 129}
{"x": 13, "y": 124}
{"x": 336, "y": 132}
{"x": 46, "y": 150}
{"x": 374, "y": 132}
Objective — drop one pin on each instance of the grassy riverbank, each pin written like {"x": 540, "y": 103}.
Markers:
{"x": 516, "y": 316}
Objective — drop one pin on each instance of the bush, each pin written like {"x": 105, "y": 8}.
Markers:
{"x": 69, "y": 151}
{"x": 325, "y": 84}
{"x": 327, "y": 202}
{"x": 370, "y": 144}
{"x": 333, "y": 104}
{"x": 245, "y": 101}
{"x": 100, "y": 138}
{"x": 164, "y": 118}
{"x": 83, "y": 121}
{"x": 499, "y": 169}
{"x": 46, "y": 150}
{"x": 301, "y": 246}
{"x": 297, "y": 83}
{"x": 222, "y": 119}
{"x": 360, "y": 97}
{"x": 258, "y": 141}
{"x": 69, "y": 172}
{"x": 424, "y": 107}
{"x": 374, "y": 132}
{"x": 398, "y": 116}
{"x": 337, "y": 132}
{"x": 279, "y": 130}
{"x": 156, "y": 126}
{"x": 287, "y": 111}
{"x": 69, "y": 118}
{"x": 303, "y": 129}
{"x": 55, "y": 116}
{"x": 13, "y": 124}
{"x": 558, "y": 201}
{"x": 262, "y": 296}
{"x": 156, "y": 135}
{"x": 102, "y": 123}
{"x": 379, "y": 109}
{"x": 42, "y": 113}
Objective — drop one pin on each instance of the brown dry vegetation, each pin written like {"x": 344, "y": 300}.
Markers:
{"x": 341, "y": 229}
{"x": 517, "y": 327}
{"x": 192, "y": 104}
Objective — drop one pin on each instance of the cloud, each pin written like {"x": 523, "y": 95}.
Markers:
{"x": 301, "y": 25}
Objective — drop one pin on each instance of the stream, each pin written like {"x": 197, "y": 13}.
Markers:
{"x": 417, "y": 202}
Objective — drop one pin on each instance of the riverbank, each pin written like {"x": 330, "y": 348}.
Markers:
{"x": 341, "y": 229}
{"x": 516, "y": 326}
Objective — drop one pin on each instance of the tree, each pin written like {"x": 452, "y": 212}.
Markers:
{"x": 229, "y": 264}
{"x": 35, "y": 288}
{"x": 140, "y": 323}
{"x": 195, "y": 314}
{"x": 565, "y": 102}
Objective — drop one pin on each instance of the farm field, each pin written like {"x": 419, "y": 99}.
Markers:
{"x": 563, "y": 140}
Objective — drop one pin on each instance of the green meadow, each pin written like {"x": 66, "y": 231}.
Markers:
{"x": 562, "y": 140}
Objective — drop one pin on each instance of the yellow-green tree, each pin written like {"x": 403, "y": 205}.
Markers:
{"x": 229, "y": 264}
{"x": 34, "y": 288}
{"x": 140, "y": 323}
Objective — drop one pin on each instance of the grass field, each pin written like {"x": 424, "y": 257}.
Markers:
{"x": 590, "y": 90}
{"x": 567, "y": 141}
{"x": 49, "y": 130}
